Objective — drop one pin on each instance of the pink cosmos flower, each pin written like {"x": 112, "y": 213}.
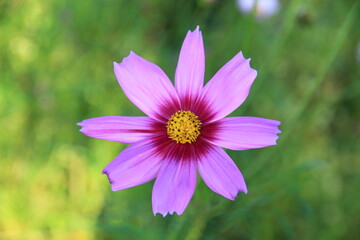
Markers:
{"x": 185, "y": 128}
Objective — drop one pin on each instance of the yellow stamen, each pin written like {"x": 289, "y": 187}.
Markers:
{"x": 183, "y": 127}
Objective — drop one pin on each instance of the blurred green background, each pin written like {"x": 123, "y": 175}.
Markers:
{"x": 56, "y": 70}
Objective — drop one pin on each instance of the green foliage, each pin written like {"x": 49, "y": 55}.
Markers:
{"x": 56, "y": 70}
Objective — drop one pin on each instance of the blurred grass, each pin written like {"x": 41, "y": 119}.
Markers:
{"x": 56, "y": 70}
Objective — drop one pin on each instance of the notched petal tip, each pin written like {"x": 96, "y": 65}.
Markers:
{"x": 244, "y": 190}
{"x": 247, "y": 61}
{"x": 241, "y": 54}
{"x": 229, "y": 87}
{"x": 196, "y": 33}
{"x": 253, "y": 71}
{"x": 82, "y": 125}
{"x": 233, "y": 198}
{"x": 247, "y": 64}
{"x": 164, "y": 214}
{"x": 277, "y": 130}
{"x": 110, "y": 181}
{"x": 131, "y": 54}
{"x": 107, "y": 175}
{"x": 276, "y": 122}
{"x": 113, "y": 188}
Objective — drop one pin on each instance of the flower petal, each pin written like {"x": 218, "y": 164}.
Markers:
{"x": 137, "y": 164}
{"x": 220, "y": 173}
{"x": 175, "y": 184}
{"x": 240, "y": 133}
{"x": 189, "y": 76}
{"x": 118, "y": 129}
{"x": 147, "y": 86}
{"x": 229, "y": 87}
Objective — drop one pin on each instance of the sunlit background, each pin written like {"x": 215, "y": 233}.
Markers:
{"x": 56, "y": 70}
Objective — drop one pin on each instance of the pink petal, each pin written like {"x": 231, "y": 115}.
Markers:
{"x": 229, "y": 87}
{"x": 118, "y": 129}
{"x": 137, "y": 164}
{"x": 220, "y": 173}
{"x": 147, "y": 86}
{"x": 240, "y": 133}
{"x": 189, "y": 76}
{"x": 174, "y": 185}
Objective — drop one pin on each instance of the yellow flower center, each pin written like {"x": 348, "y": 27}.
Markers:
{"x": 183, "y": 127}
